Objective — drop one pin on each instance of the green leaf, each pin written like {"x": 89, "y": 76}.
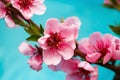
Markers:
{"x": 33, "y": 38}
{"x": 29, "y": 31}
{"x": 41, "y": 29}
{"x": 115, "y": 29}
{"x": 34, "y": 27}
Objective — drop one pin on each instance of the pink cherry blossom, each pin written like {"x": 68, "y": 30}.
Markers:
{"x": 35, "y": 62}
{"x": 4, "y": 14}
{"x": 76, "y": 70}
{"x": 29, "y": 7}
{"x": 84, "y": 71}
{"x": 26, "y": 49}
{"x": 116, "y": 48}
{"x": 59, "y": 40}
{"x": 97, "y": 47}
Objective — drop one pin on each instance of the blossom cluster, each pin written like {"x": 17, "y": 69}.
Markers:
{"x": 57, "y": 44}
{"x": 26, "y": 7}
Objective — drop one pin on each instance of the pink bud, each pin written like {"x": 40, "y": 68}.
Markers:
{"x": 35, "y": 62}
{"x": 26, "y": 49}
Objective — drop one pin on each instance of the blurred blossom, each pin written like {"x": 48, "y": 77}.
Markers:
{"x": 4, "y": 14}
{"x": 76, "y": 70}
{"x": 84, "y": 71}
{"x": 59, "y": 40}
{"x": 29, "y": 7}
{"x": 35, "y": 62}
{"x": 26, "y": 49}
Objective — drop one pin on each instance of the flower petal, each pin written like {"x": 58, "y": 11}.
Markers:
{"x": 10, "y": 23}
{"x": 93, "y": 57}
{"x": 73, "y": 21}
{"x": 51, "y": 57}
{"x": 84, "y": 46}
{"x": 25, "y": 13}
{"x": 52, "y": 26}
{"x": 35, "y": 62}
{"x": 26, "y": 49}
{"x": 67, "y": 49}
{"x": 107, "y": 57}
{"x": 96, "y": 40}
{"x": 107, "y": 39}
{"x": 38, "y": 8}
{"x": 42, "y": 41}
{"x": 2, "y": 10}
{"x": 85, "y": 65}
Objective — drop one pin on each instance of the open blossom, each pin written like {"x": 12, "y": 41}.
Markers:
{"x": 26, "y": 49}
{"x": 76, "y": 70}
{"x": 84, "y": 71}
{"x": 59, "y": 40}
{"x": 4, "y": 14}
{"x": 29, "y": 7}
{"x": 35, "y": 62}
{"x": 97, "y": 47}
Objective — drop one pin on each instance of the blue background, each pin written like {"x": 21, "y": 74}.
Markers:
{"x": 94, "y": 17}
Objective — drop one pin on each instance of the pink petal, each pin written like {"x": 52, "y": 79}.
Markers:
{"x": 85, "y": 47}
{"x": 116, "y": 55}
{"x": 38, "y": 8}
{"x": 68, "y": 33}
{"x": 42, "y": 41}
{"x": 96, "y": 40}
{"x": 25, "y": 13}
{"x": 2, "y": 10}
{"x": 67, "y": 66}
{"x": 51, "y": 57}
{"x": 85, "y": 65}
{"x": 10, "y": 23}
{"x": 73, "y": 21}
{"x": 67, "y": 50}
{"x": 35, "y": 62}
{"x": 94, "y": 74}
{"x": 93, "y": 57}
{"x": 107, "y": 57}
{"x": 26, "y": 49}
{"x": 107, "y": 39}
{"x": 52, "y": 26}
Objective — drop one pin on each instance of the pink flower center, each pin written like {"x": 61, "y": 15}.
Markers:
{"x": 54, "y": 40}
{"x": 24, "y": 4}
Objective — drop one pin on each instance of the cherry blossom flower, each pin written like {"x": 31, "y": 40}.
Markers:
{"x": 26, "y": 49}
{"x": 35, "y": 62}
{"x": 29, "y": 7}
{"x": 59, "y": 40}
{"x": 76, "y": 70}
{"x": 84, "y": 71}
{"x": 116, "y": 48}
{"x": 97, "y": 47}
{"x": 4, "y": 14}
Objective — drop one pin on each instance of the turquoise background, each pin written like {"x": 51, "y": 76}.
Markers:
{"x": 94, "y": 17}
